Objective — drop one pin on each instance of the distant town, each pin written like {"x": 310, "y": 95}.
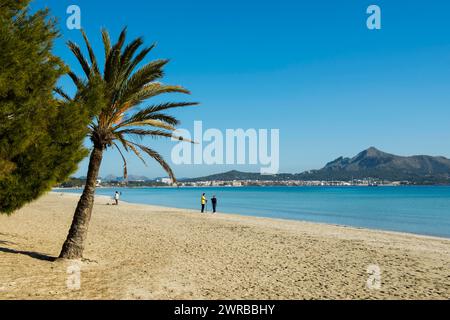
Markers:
{"x": 166, "y": 182}
{"x": 242, "y": 183}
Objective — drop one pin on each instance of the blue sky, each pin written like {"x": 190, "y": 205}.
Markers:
{"x": 310, "y": 68}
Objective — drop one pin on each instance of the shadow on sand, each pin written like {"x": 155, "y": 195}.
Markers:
{"x": 35, "y": 255}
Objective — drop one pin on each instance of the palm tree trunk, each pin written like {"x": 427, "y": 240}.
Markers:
{"x": 74, "y": 244}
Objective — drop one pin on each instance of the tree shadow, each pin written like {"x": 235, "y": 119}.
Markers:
{"x": 6, "y": 242}
{"x": 32, "y": 254}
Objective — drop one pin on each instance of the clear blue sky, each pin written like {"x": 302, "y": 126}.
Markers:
{"x": 310, "y": 68}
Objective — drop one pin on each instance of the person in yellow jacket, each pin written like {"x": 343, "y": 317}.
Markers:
{"x": 203, "y": 202}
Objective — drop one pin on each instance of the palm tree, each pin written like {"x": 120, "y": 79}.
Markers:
{"x": 117, "y": 117}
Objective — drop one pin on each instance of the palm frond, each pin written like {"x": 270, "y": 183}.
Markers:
{"x": 125, "y": 170}
{"x": 145, "y": 75}
{"x": 157, "y": 108}
{"x": 123, "y": 141}
{"x": 81, "y": 59}
{"x": 112, "y": 63}
{"x": 106, "y": 43}
{"x": 154, "y": 134}
{"x": 136, "y": 152}
{"x": 151, "y": 90}
{"x": 94, "y": 64}
{"x": 144, "y": 132}
{"x": 60, "y": 91}
{"x": 153, "y": 112}
{"x": 121, "y": 40}
{"x": 138, "y": 59}
{"x": 130, "y": 50}
{"x": 112, "y": 67}
{"x": 147, "y": 122}
{"x": 165, "y": 118}
{"x": 158, "y": 158}
{"x": 76, "y": 80}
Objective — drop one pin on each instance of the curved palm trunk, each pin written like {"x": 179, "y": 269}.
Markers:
{"x": 74, "y": 244}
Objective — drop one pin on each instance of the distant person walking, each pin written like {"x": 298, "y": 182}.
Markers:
{"x": 203, "y": 202}
{"x": 116, "y": 198}
{"x": 214, "y": 203}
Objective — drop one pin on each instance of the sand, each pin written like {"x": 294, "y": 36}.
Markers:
{"x": 148, "y": 252}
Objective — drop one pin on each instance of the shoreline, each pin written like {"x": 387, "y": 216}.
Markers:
{"x": 261, "y": 186}
{"x": 138, "y": 251}
{"x": 270, "y": 218}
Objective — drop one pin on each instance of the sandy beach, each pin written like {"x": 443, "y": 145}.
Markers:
{"x": 148, "y": 252}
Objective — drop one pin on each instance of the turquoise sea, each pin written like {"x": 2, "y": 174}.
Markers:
{"x": 414, "y": 209}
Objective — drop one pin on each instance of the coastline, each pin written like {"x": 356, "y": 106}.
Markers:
{"x": 98, "y": 197}
{"x": 137, "y": 251}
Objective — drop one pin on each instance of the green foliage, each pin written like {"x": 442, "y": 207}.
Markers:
{"x": 72, "y": 183}
{"x": 41, "y": 138}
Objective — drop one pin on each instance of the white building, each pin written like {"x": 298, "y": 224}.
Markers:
{"x": 166, "y": 180}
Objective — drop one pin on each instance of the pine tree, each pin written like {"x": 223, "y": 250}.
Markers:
{"x": 41, "y": 138}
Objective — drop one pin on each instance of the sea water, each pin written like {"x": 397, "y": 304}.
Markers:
{"x": 415, "y": 209}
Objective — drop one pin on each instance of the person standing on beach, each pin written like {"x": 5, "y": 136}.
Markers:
{"x": 116, "y": 198}
{"x": 214, "y": 203}
{"x": 203, "y": 202}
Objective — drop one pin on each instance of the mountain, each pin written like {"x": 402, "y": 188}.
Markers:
{"x": 239, "y": 175}
{"x": 370, "y": 163}
{"x": 111, "y": 177}
{"x": 374, "y": 163}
